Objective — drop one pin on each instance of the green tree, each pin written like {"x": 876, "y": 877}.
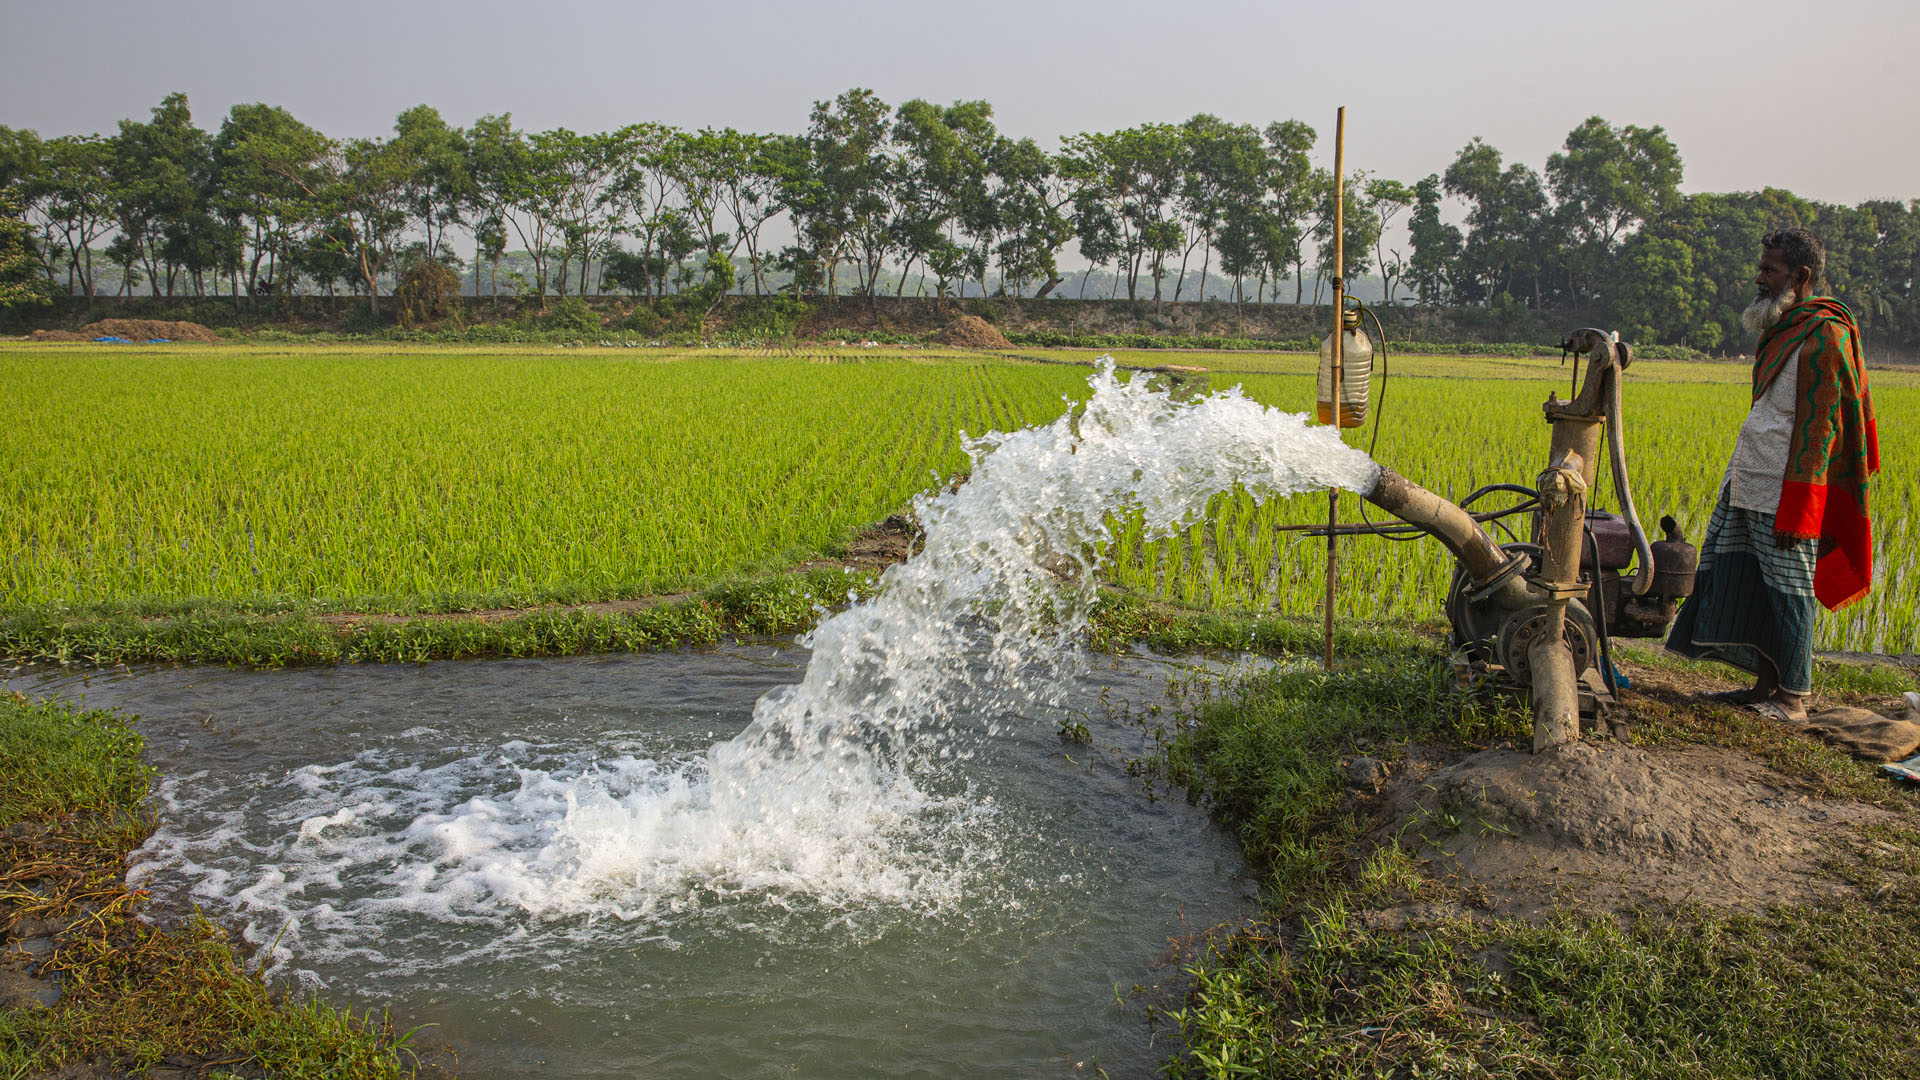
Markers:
{"x": 268, "y": 172}
{"x": 158, "y": 173}
{"x": 1126, "y": 184}
{"x": 1658, "y": 295}
{"x": 439, "y": 184}
{"x": 1385, "y": 200}
{"x": 70, "y": 197}
{"x": 520, "y": 183}
{"x": 1607, "y": 181}
{"x": 943, "y": 179}
{"x": 1436, "y": 246}
{"x": 1359, "y": 223}
{"x": 1509, "y": 232}
{"x": 1227, "y": 166}
{"x": 1293, "y": 190}
{"x": 21, "y": 283}
{"x": 643, "y": 194}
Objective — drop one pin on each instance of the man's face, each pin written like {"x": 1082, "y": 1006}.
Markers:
{"x": 1775, "y": 277}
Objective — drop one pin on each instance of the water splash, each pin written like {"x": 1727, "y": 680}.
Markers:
{"x": 841, "y": 792}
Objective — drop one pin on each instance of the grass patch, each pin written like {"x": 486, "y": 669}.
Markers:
{"x": 132, "y": 992}
{"x": 1846, "y": 679}
{"x": 1691, "y": 992}
{"x": 64, "y": 764}
{"x": 1317, "y": 988}
{"x": 783, "y": 604}
{"x": 1266, "y": 754}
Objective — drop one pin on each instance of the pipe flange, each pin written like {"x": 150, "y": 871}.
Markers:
{"x": 1518, "y": 562}
{"x": 1518, "y": 632}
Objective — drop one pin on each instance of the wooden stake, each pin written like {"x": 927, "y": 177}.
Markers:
{"x": 1339, "y": 302}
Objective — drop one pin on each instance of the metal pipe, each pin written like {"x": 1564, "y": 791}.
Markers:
{"x": 1556, "y": 686}
{"x": 1452, "y": 526}
{"x": 1608, "y": 359}
{"x": 1623, "y": 490}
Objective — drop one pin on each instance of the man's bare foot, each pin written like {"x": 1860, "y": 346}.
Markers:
{"x": 1783, "y": 707}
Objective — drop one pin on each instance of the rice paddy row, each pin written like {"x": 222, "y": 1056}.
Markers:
{"x": 419, "y": 479}
{"x": 410, "y": 479}
{"x": 1453, "y": 434}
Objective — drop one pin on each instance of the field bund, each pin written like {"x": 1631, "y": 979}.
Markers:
{"x": 406, "y": 479}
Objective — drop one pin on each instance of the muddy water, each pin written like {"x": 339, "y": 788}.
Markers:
{"x": 449, "y": 839}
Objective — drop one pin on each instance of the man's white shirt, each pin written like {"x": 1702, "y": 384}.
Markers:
{"x": 1759, "y": 462}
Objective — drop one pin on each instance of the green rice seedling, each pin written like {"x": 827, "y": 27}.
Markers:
{"x": 1453, "y": 433}
{"x": 409, "y": 478}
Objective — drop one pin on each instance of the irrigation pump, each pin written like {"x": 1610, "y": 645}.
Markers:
{"x": 1537, "y": 616}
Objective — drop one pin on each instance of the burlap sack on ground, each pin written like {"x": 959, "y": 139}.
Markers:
{"x": 1867, "y": 735}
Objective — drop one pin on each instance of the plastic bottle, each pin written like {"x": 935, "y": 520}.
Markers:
{"x": 1356, "y": 374}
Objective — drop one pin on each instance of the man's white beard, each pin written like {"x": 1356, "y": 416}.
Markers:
{"x": 1766, "y": 310}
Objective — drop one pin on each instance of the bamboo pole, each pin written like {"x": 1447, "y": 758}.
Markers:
{"x": 1339, "y": 302}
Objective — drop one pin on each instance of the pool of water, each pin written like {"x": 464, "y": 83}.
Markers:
{"x": 490, "y": 847}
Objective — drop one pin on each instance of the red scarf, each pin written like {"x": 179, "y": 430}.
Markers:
{"x": 1835, "y": 448}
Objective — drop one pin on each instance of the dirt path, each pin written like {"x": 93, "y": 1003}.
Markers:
{"x": 1712, "y": 806}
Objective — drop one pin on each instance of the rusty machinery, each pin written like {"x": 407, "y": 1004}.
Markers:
{"x": 1537, "y": 615}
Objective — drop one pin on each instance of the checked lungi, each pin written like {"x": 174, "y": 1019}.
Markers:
{"x": 1751, "y": 599}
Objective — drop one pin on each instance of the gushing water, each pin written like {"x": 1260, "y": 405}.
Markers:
{"x": 842, "y": 792}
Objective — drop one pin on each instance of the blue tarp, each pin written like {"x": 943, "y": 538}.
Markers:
{"x": 111, "y": 340}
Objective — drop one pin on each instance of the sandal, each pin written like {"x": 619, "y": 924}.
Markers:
{"x": 1774, "y": 712}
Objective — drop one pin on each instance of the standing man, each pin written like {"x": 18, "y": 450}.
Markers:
{"x": 1791, "y": 526}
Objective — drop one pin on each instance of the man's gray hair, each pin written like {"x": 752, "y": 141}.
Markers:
{"x": 1799, "y": 247}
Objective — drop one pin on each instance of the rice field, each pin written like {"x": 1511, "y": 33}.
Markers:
{"x": 1454, "y": 424}
{"x": 417, "y": 477}
{"x": 409, "y": 478}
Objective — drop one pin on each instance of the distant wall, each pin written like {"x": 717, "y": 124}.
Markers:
{"x": 841, "y": 314}
{"x": 1289, "y": 322}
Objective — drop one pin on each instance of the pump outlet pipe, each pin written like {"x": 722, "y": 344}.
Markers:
{"x": 1487, "y": 566}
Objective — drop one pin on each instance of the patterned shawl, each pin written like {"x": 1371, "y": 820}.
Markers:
{"x": 1835, "y": 449}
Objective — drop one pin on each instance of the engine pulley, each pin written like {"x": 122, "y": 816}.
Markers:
{"x": 1520, "y": 629}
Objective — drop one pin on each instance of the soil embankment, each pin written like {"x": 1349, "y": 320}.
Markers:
{"x": 134, "y": 330}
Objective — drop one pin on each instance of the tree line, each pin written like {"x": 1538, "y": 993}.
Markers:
{"x": 872, "y": 194}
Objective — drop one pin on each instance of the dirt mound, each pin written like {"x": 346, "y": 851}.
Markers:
{"x": 973, "y": 332}
{"x": 132, "y": 330}
{"x": 1607, "y": 828}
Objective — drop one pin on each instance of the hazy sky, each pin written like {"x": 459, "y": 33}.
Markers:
{"x": 1823, "y": 100}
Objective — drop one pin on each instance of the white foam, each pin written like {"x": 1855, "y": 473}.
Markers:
{"x": 842, "y": 792}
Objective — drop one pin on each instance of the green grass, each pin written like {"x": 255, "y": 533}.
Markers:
{"x": 60, "y": 762}
{"x": 213, "y": 489}
{"x": 1452, "y": 434}
{"x": 134, "y": 991}
{"x": 395, "y": 476}
{"x": 1794, "y": 993}
{"x": 780, "y": 604}
{"x": 1316, "y": 989}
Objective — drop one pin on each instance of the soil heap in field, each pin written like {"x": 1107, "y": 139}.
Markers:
{"x": 132, "y": 330}
{"x": 1608, "y": 828}
{"x": 973, "y": 332}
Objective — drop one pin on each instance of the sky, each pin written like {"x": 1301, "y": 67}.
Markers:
{"x": 1823, "y": 100}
